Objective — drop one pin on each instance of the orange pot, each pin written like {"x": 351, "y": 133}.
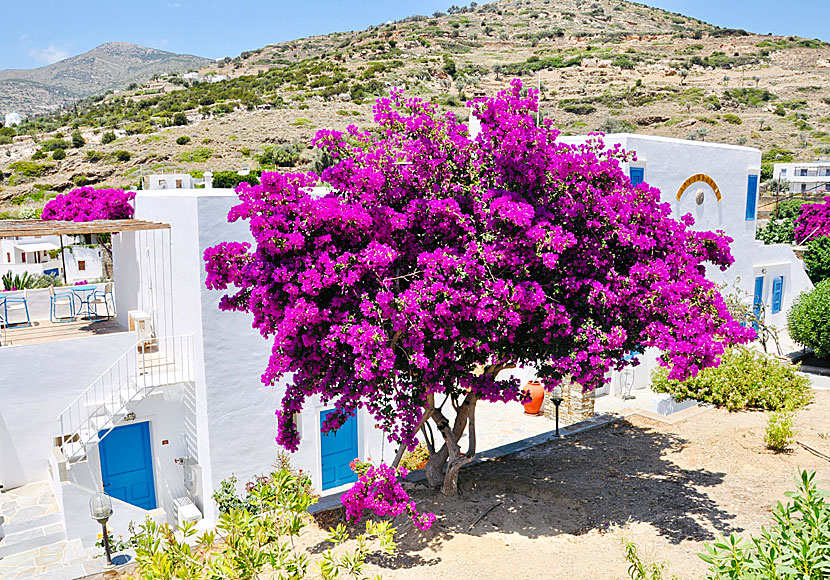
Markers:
{"x": 537, "y": 396}
{"x": 422, "y": 464}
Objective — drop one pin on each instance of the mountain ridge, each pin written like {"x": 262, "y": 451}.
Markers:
{"x": 109, "y": 66}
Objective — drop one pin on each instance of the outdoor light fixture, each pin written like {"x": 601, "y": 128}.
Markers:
{"x": 556, "y": 397}
{"x": 129, "y": 416}
{"x": 100, "y": 507}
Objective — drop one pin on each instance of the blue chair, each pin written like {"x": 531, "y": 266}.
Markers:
{"x": 56, "y": 299}
{"x": 102, "y": 297}
{"x": 16, "y": 304}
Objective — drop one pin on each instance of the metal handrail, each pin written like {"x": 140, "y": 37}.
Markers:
{"x": 122, "y": 383}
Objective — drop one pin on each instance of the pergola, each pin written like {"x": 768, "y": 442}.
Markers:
{"x": 21, "y": 228}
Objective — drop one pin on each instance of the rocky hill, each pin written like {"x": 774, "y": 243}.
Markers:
{"x": 611, "y": 66}
{"x": 110, "y": 66}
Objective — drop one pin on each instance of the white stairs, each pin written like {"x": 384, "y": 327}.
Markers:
{"x": 146, "y": 367}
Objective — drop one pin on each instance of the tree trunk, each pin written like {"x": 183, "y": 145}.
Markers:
{"x": 450, "y": 455}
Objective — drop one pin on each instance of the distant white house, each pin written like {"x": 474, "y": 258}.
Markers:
{"x": 41, "y": 255}
{"x": 170, "y": 181}
{"x": 806, "y": 177}
{"x": 12, "y": 119}
{"x": 191, "y": 76}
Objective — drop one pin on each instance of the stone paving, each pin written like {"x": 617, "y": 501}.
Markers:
{"x": 27, "y": 502}
{"x": 62, "y": 560}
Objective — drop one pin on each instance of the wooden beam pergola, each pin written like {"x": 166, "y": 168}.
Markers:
{"x": 16, "y": 228}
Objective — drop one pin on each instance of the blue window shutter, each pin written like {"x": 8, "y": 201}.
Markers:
{"x": 637, "y": 175}
{"x": 777, "y": 293}
{"x": 751, "y": 196}
{"x": 758, "y": 300}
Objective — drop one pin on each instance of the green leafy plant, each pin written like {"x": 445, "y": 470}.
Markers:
{"x": 640, "y": 570}
{"x": 412, "y": 460}
{"x": 182, "y": 140}
{"x": 260, "y": 545}
{"x": 796, "y": 547}
{"x": 808, "y": 320}
{"x": 780, "y": 231}
{"x": 817, "y": 259}
{"x": 25, "y": 280}
{"x": 59, "y": 154}
{"x": 280, "y": 155}
{"x": 107, "y": 137}
{"x": 744, "y": 379}
{"x": 779, "y": 433}
{"x": 198, "y": 155}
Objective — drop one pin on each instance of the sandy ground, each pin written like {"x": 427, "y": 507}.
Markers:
{"x": 565, "y": 507}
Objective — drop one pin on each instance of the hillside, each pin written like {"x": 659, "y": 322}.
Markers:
{"x": 615, "y": 66}
{"x": 110, "y": 66}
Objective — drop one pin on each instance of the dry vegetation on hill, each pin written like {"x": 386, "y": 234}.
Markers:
{"x": 613, "y": 66}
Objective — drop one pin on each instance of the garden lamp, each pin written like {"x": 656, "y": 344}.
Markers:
{"x": 100, "y": 507}
{"x": 556, "y": 397}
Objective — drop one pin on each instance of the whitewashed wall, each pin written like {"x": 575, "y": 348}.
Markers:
{"x": 36, "y": 383}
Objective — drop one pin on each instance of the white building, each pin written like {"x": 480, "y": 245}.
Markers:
{"x": 12, "y": 119}
{"x": 41, "y": 255}
{"x": 171, "y": 181}
{"x": 804, "y": 177}
{"x": 158, "y": 415}
{"x": 718, "y": 185}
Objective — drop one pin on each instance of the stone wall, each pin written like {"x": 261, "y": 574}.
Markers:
{"x": 576, "y": 406}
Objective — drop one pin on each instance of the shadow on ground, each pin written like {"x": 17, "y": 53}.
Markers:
{"x": 608, "y": 476}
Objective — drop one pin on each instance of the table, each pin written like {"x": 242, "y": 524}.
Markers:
{"x": 84, "y": 295}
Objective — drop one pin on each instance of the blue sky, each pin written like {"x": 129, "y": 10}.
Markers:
{"x": 50, "y": 30}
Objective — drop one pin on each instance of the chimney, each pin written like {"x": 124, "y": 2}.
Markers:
{"x": 208, "y": 175}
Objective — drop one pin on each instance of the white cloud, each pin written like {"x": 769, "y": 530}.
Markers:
{"x": 174, "y": 5}
{"x": 49, "y": 54}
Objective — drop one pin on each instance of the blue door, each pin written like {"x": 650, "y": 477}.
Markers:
{"x": 637, "y": 175}
{"x": 337, "y": 450}
{"x": 758, "y": 301}
{"x": 127, "y": 464}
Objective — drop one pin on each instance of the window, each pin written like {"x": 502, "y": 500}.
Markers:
{"x": 8, "y": 257}
{"x": 162, "y": 184}
{"x": 783, "y": 172}
{"x": 637, "y": 175}
{"x": 777, "y": 293}
{"x": 24, "y": 256}
{"x": 803, "y": 187}
{"x": 178, "y": 184}
{"x": 827, "y": 172}
{"x": 81, "y": 265}
{"x": 751, "y": 196}
{"x": 803, "y": 172}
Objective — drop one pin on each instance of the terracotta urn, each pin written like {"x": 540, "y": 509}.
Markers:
{"x": 537, "y": 396}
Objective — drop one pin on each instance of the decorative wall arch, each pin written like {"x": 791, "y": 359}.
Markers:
{"x": 699, "y": 177}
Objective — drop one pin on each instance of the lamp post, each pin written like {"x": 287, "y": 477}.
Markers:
{"x": 100, "y": 507}
{"x": 556, "y": 397}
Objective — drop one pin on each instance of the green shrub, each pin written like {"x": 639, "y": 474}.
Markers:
{"x": 777, "y": 155}
{"x": 808, "y": 321}
{"x": 38, "y": 154}
{"x": 230, "y": 179}
{"x": 54, "y": 144}
{"x": 779, "y": 433}
{"x": 745, "y": 378}
{"x": 795, "y": 547}
{"x": 198, "y": 155}
{"x": 788, "y": 209}
{"x": 179, "y": 119}
{"x": 777, "y": 232}
{"x": 78, "y": 140}
{"x": 59, "y": 154}
{"x": 183, "y": 140}
{"x": 29, "y": 169}
{"x": 120, "y": 155}
{"x": 579, "y": 109}
{"x": 751, "y": 97}
{"x": 732, "y": 119}
{"x": 94, "y": 156}
{"x": 281, "y": 155}
{"x": 107, "y": 137}
{"x": 412, "y": 460}
{"x": 817, "y": 259}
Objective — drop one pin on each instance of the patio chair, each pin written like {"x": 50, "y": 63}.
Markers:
{"x": 14, "y": 304}
{"x": 56, "y": 299}
{"x": 102, "y": 297}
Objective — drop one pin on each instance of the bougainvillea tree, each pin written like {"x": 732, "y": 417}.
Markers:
{"x": 86, "y": 204}
{"x": 813, "y": 222}
{"x": 437, "y": 261}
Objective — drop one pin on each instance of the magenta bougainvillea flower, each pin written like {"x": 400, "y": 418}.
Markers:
{"x": 379, "y": 490}
{"x": 87, "y": 204}
{"x": 435, "y": 253}
{"x": 813, "y": 221}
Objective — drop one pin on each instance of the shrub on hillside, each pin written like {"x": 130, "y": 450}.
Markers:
{"x": 817, "y": 259}
{"x": 230, "y": 179}
{"x": 120, "y": 155}
{"x": 54, "y": 144}
{"x": 808, "y": 321}
{"x": 280, "y": 155}
{"x": 183, "y": 140}
{"x": 744, "y": 379}
{"x": 198, "y": 155}
{"x": 77, "y": 139}
{"x": 59, "y": 154}
{"x": 179, "y": 119}
{"x": 107, "y": 137}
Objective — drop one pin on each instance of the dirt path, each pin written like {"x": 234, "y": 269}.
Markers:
{"x": 566, "y": 506}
